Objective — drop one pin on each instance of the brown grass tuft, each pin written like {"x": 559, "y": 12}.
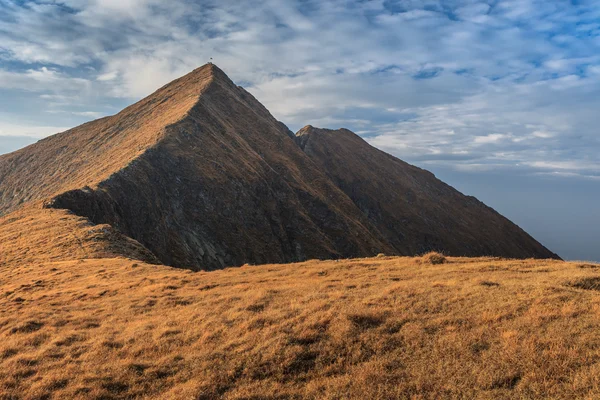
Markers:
{"x": 433, "y": 258}
{"x": 587, "y": 283}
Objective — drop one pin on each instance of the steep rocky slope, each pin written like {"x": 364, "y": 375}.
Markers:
{"x": 217, "y": 181}
{"x": 200, "y": 174}
{"x": 414, "y": 210}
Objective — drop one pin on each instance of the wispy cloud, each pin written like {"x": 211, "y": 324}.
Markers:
{"x": 470, "y": 84}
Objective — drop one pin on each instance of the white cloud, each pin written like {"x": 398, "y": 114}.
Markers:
{"x": 109, "y": 76}
{"x": 42, "y": 79}
{"x": 542, "y": 134}
{"x": 491, "y": 138}
{"x": 33, "y": 131}
{"x": 472, "y": 83}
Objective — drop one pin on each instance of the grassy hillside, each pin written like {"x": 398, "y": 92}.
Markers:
{"x": 365, "y": 328}
{"x": 33, "y": 234}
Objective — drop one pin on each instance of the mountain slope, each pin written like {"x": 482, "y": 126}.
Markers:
{"x": 90, "y": 153}
{"x": 205, "y": 178}
{"x": 415, "y": 211}
{"x": 200, "y": 174}
{"x": 33, "y": 235}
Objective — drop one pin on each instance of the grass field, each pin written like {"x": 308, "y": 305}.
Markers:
{"x": 378, "y": 328}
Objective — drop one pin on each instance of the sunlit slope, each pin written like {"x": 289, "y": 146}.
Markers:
{"x": 376, "y": 328}
{"x": 34, "y": 234}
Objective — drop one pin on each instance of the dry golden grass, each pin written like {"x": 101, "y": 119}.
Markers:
{"x": 34, "y": 234}
{"x": 377, "y": 328}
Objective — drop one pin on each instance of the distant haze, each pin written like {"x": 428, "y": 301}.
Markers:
{"x": 561, "y": 213}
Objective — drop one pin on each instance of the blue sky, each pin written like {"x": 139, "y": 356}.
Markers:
{"x": 498, "y": 98}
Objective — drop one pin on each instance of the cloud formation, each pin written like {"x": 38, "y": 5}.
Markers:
{"x": 472, "y": 85}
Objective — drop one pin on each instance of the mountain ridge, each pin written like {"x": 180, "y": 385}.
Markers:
{"x": 203, "y": 176}
{"x": 109, "y": 143}
{"x": 414, "y": 210}
{"x": 254, "y": 160}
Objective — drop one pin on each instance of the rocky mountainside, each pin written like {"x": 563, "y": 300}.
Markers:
{"x": 413, "y": 210}
{"x": 200, "y": 175}
{"x": 91, "y": 153}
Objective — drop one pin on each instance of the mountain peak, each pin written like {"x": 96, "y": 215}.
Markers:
{"x": 413, "y": 210}
{"x": 305, "y": 130}
{"x": 308, "y": 129}
{"x": 193, "y": 83}
{"x": 201, "y": 175}
{"x": 304, "y": 135}
{"x": 208, "y": 70}
{"x": 91, "y": 153}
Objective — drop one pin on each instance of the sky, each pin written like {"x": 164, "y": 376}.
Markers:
{"x": 500, "y": 99}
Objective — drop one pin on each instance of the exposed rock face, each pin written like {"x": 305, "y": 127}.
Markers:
{"x": 203, "y": 176}
{"x": 414, "y": 211}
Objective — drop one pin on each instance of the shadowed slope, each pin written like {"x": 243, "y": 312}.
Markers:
{"x": 216, "y": 181}
{"x": 415, "y": 211}
{"x": 90, "y": 153}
